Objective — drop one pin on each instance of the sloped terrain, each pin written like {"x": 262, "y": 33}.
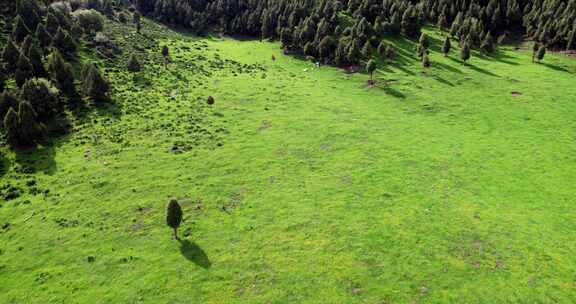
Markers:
{"x": 300, "y": 184}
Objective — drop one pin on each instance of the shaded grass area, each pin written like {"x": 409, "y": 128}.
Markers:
{"x": 301, "y": 184}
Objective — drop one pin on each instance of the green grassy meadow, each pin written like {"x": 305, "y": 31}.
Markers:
{"x": 302, "y": 185}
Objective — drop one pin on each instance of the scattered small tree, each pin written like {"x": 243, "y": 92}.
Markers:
{"x": 10, "y": 55}
{"x": 382, "y": 49}
{"x": 64, "y": 42}
{"x": 134, "y": 64}
{"x": 21, "y": 127}
{"x": 166, "y": 54}
{"x": 370, "y": 68}
{"x": 20, "y": 30}
{"x": 35, "y": 56}
{"x": 11, "y": 126}
{"x": 174, "y": 216}
{"x": 42, "y": 96}
{"x": 137, "y": 19}
{"x": 446, "y": 46}
{"x": 487, "y": 45}
{"x": 366, "y": 50}
{"x": 165, "y": 51}
{"x": 42, "y": 35}
{"x": 535, "y": 48}
{"x": 94, "y": 85}
{"x": 8, "y": 99}
{"x": 24, "y": 70}
{"x": 541, "y": 53}
{"x": 30, "y": 130}
{"x": 390, "y": 52}
{"x": 465, "y": 53}
{"x": 61, "y": 73}
{"x": 425, "y": 61}
{"x": 424, "y": 42}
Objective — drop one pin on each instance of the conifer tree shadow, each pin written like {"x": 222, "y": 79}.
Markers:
{"x": 389, "y": 90}
{"x": 554, "y": 67}
{"x": 38, "y": 159}
{"x": 193, "y": 253}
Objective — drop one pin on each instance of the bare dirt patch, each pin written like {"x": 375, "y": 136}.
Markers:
{"x": 515, "y": 94}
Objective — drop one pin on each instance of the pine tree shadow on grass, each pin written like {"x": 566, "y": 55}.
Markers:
{"x": 193, "y": 253}
{"x": 108, "y": 109}
{"x": 446, "y": 67}
{"x": 40, "y": 159}
{"x": 501, "y": 56}
{"x": 382, "y": 85}
{"x": 555, "y": 67}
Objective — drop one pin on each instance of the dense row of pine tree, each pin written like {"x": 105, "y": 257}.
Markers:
{"x": 343, "y": 31}
{"x": 40, "y": 56}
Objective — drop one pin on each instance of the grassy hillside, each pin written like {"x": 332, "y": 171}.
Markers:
{"x": 301, "y": 185}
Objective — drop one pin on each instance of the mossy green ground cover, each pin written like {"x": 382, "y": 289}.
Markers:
{"x": 302, "y": 185}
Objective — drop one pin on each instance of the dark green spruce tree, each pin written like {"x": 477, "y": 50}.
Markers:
{"x": 10, "y": 55}
{"x": 446, "y": 46}
{"x": 174, "y": 216}
{"x": 61, "y": 73}
{"x": 541, "y": 52}
{"x": 133, "y": 64}
{"x": 94, "y": 85}
{"x": 465, "y": 53}
{"x": 64, "y": 42}
{"x": 24, "y": 70}
{"x": 42, "y": 35}
{"x": 20, "y": 30}
{"x": 370, "y": 68}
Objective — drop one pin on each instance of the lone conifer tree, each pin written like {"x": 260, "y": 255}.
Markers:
{"x": 446, "y": 46}
{"x": 174, "y": 216}
{"x": 134, "y": 64}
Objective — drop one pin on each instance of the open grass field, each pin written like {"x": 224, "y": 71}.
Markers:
{"x": 302, "y": 185}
